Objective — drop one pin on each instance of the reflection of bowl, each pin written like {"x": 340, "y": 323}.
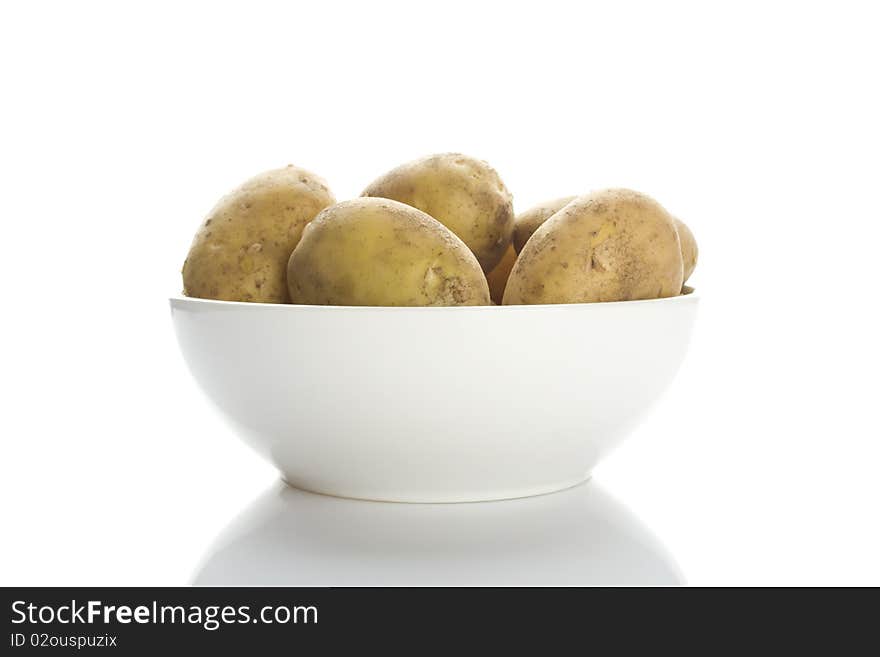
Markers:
{"x": 577, "y": 537}
{"x": 434, "y": 404}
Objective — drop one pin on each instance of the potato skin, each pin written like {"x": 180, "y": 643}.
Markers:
{"x": 464, "y": 194}
{"x": 611, "y": 245}
{"x": 240, "y": 253}
{"x": 378, "y": 252}
{"x": 497, "y": 278}
{"x": 526, "y": 223}
{"x": 689, "y": 250}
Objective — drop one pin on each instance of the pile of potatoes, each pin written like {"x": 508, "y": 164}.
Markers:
{"x": 439, "y": 231}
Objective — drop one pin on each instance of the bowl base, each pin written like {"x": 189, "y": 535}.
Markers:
{"x": 441, "y": 497}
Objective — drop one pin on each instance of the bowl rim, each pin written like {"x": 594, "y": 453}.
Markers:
{"x": 181, "y": 300}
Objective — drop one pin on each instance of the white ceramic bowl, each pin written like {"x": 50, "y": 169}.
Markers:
{"x": 434, "y": 404}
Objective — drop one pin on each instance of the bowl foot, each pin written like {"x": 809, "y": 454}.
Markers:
{"x": 440, "y": 497}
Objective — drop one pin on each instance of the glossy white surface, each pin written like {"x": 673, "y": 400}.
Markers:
{"x": 579, "y": 536}
{"x": 434, "y": 404}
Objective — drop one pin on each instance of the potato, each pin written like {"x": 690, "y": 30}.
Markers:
{"x": 689, "y": 251}
{"x": 464, "y": 194}
{"x": 378, "y": 252}
{"x": 612, "y": 245}
{"x": 526, "y": 223}
{"x": 497, "y": 278}
{"x": 240, "y": 253}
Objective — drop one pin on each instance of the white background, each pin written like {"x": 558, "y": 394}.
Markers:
{"x": 757, "y": 123}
